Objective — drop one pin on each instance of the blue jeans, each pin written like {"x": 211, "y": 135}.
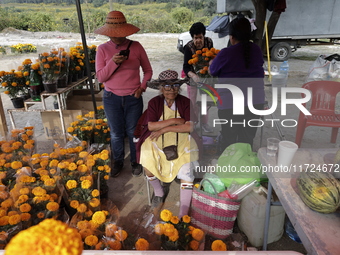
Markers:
{"x": 122, "y": 113}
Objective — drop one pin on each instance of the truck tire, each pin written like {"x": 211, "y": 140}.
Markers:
{"x": 280, "y": 51}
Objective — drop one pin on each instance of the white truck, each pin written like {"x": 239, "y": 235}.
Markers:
{"x": 304, "y": 22}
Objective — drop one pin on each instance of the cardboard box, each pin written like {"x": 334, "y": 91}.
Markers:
{"x": 84, "y": 102}
{"x": 52, "y": 124}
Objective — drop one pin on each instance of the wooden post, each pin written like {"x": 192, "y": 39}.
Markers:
{"x": 3, "y": 123}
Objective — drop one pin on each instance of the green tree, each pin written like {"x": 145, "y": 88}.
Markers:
{"x": 182, "y": 15}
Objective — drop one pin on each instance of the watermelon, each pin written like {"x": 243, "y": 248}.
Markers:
{"x": 319, "y": 191}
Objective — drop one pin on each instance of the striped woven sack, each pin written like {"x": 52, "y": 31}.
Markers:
{"x": 214, "y": 214}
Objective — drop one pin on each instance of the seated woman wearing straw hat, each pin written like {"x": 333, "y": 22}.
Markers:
{"x": 169, "y": 123}
{"x": 118, "y": 64}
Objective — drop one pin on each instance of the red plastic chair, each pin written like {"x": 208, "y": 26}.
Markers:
{"x": 322, "y": 109}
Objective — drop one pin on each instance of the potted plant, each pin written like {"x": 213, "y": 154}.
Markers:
{"x": 14, "y": 83}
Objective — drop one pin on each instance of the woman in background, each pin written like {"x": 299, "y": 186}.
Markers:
{"x": 241, "y": 65}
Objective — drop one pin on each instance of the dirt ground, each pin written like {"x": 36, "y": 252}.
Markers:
{"x": 163, "y": 54}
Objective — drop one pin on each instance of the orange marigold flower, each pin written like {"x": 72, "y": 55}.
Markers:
{"x": 194, "y": 245}
{"x": 218, "y": 245}
{"x": 186, "y": 219}
{"x": 142, "y": 244}
{"x": 166, "y": 215}
{"x": 121, "y": 235}
{"x": 110, "y": 229}
{"x": 197, "y": 234}
{"x": 91, "y": 240}
{"x": 114, "y": 244}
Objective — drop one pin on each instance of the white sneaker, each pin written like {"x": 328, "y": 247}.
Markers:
{"x": 207, "y": 129}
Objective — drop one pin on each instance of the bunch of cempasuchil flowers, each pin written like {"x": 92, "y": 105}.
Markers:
{"x": 177, "y": 234}
{"x": 13, "y": 82}
{"x": 88, "y": 127}
{"x": 49, "y": 237}
{"x": 200, "y": 61}
{"x": 50, "y": 65}
{"x": 77, "y": 56}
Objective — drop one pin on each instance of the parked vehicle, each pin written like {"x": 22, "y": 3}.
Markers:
{"x": 304, "y": 22}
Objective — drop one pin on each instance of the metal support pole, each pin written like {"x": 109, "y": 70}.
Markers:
{"x": 87, "y": 62}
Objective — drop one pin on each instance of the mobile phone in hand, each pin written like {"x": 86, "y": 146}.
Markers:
{"x": 124, "y": 53}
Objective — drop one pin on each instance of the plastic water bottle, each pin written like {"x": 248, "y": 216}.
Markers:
{"x": 284, "y": 68}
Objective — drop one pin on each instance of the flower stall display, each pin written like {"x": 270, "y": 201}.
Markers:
{"x": 15, "y": 86}
{"x": 50, "y": 69}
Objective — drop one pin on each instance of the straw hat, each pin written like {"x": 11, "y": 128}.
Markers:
{"x": 166, "y": 77}
{"x": 116, "y": 26}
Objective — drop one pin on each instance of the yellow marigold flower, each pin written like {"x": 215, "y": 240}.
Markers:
{"x": 95, "y": 193}
{"x": 91, "y": 240}
{"x": 166, "y": 215}
{"x": 93, "y": 225}
{"x": 82, "y": 168}
{"x": 114, "y": 244}
{"x": 22, "y": 199}
{"x": 142, "y": 244}
{"x": 218, "y": 245}
{"x": 55, "y": 235}
{"x": 174, "y": 236}
{"x": 53, "y": 163}
{"x": 106, "y": 177}
{"x": 25, "y": 216}
{"x": 99, "y": 217}
{"x": 38, "y": 191}
{"x": 16, "y": 165}
{"x": 82, "y": 208}
{"x": 52, "y": 206}
{"x": 4, "y": 220}
{"x": 110, "y": 229}
{"x": 104, "y": 156}
{"x": 186, "y": 219}
{"x": 25, "y": 207}
{"x": 94, "y": 202}
{"x": 83, "y": 154}
{"x": 194, "y": 245}
{"x": 71, "y": 184}
{"x": 72, "y": 166}
{"x": 121, "y": 235}
{"x": 14, "y": 219}
{"x": 7, "y": 203}
{"x": 74, "y": 204}
{"x": 49, "y": 182}
{"x": 197, "y": 234}
{"x": 86, "y": 184}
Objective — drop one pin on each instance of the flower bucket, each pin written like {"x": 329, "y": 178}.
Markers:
{"x": 74, "y": 77}
{"x": 18, "y": 102}
{"x": 35, "y": 92}
{"x": 62, "y": 81}
{"x": 51, "y": 87}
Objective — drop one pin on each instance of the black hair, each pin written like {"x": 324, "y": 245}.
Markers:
{"x": 197, "y": 29}
{"x": 240, "y": 29}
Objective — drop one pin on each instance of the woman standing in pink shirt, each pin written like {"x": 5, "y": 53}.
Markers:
{"x": 118, "y": 64}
